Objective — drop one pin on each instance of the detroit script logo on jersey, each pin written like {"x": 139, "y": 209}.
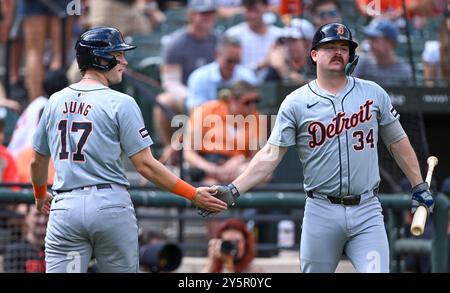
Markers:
{"x": 319, "y": 132}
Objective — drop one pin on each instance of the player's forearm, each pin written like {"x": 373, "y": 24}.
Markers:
{"x": 39, "y": 169}
{"x": 157, "y": 173}
{"x": 262, "y": 164}
{"x": 406, "y": 159}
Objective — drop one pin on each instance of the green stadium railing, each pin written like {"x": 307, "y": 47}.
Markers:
{"x": 436, "y": 248}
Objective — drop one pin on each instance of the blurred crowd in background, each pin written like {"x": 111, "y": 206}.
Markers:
{"x": 200, "y": 57}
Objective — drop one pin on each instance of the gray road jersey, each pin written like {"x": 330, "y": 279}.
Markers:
{"x": 86, "y": 129}
{"x": 336, "y": 135}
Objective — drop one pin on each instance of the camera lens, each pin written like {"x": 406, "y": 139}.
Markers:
{"x": 228, "y": 247}
{"x": 161, "y": 257}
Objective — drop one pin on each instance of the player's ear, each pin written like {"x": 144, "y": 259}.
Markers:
{"x": 314, "y": 55}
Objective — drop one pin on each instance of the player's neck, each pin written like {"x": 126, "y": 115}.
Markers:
{"x": 331, "y": 83}
{"x": 92, "y": 78}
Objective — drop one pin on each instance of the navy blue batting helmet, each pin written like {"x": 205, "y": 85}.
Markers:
{"x": 334, "y": 32}
{"x": 95, "y": 46}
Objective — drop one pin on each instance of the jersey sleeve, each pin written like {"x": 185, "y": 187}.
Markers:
{"x": 40, "y": 137}
{"x": 388, "y": 113}
{"x": 134, "y": 137}
{"x": 284, "y": 132}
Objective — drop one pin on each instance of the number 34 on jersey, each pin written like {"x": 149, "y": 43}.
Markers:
{"x": 319, "y": 132}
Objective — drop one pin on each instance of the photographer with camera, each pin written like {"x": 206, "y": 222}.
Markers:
{"x": 232, "y": 250}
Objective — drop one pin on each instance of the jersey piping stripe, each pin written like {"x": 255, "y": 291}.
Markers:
{"x": 346, "y": 137}
{"x": 348, "y": 164}
{"x": 339, "y": 141}
{"x": 79, "y": 90}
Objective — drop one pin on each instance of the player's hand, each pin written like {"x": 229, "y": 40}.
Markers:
{"x": 228, "y": 194}
{"x": 43, "y": 205}
{"x": 421, "y": 195}
{"x": 205, "y": 199}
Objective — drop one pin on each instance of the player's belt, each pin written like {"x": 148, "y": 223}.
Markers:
{"x": 345, "y": 200}
{"x": 349, "y": 200}
{"x": 98, "y": 186}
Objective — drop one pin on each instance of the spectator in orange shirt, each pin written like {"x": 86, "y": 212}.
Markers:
{"x": 23, "y": 163}
{"x": 8, "y": 166}
{"x": 223, "y": 135}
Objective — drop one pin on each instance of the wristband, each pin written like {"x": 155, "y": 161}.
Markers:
{"x": 184, "y": 189}
{"x": 40, "y": 191}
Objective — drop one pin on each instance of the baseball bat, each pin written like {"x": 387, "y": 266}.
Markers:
{"x": 420, "y": 216}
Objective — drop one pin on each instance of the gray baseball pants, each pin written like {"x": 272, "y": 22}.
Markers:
{"x": 330, "y": 229}
{"x": 90, "y": 222}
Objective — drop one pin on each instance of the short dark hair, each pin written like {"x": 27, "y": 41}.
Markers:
{"x": 317, "y": 3}
{"x": 251, "y": 3}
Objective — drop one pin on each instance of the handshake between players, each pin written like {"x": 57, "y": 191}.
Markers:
{"x": 228, "y": 194}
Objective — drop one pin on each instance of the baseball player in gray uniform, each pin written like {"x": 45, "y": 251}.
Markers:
{"x": 85, "y": 128}
{"x": 334, "y": 122}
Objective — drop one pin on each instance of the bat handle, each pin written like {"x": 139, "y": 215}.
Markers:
{"x": 429, "y": 174}
{"x": 421, "y": 214}
{"x": 419, "y": 219}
